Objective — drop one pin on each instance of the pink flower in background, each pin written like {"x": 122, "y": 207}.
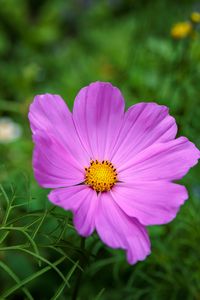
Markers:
{"x": 113, "y": 169}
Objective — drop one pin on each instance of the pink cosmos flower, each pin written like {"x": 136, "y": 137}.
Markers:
{"x": 113, "y": 169}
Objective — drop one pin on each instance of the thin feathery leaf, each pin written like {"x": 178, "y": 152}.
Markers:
{"x": 98, "y": 296}
{"x": 27, "y": 280}
{"x": 9, "y": 271}
{"x": 5, "y": 195}
{"x": 39, "y": 257}
{"x": 21, "y": 230}
{"x": 63, "y": 285}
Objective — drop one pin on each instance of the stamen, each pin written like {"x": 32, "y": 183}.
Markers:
{"x": 101, "y": 176}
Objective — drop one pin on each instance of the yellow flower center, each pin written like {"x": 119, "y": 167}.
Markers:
{"x": 101, "y": 176}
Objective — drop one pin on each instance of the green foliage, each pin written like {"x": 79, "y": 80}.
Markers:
{"x": 59, "y": 46}
{"x": 32, "y": 244}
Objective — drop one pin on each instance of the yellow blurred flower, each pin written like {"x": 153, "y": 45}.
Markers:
{"x": 195, "y": 17}
{"x": 181, "y": 30}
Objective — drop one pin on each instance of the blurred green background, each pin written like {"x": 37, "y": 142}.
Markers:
{"x": 59, "y": 46}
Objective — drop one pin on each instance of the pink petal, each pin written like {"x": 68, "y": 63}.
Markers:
{"x": 82, "y": 201}
{"x": 98, "y": 113}
{"x": 118, "y": 230}
{"x": 144, "y": 124}
{"x": 166, "y": 161}
{"x": 49, "y": 113}
{"x": 152, "y": 203}
{"x": 53, "y": 164}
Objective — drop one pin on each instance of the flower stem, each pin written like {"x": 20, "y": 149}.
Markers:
{"x": 79, "y": 275}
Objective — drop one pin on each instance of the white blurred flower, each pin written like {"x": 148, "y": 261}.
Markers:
{"x": 9, "y": 130}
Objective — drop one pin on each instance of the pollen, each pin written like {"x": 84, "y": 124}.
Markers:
{"x": 100, "y": 176}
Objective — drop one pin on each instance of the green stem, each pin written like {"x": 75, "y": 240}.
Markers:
{"x": 80, "y": 272}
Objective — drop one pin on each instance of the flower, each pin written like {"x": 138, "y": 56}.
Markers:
{"x": 195, "y": 17}
{"x": 9, "y": 130}
{"x": 181, "y": 30}
{"x": 113, "y": 169}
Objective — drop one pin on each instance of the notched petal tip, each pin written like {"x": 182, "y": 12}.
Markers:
{"x": 145, "y": 124}
{"x": 118, "y": 230}
{"x": 100, "y": 84}
{"x": 141, "y": 249}
{"x": 152, "y": 203}
{"x": 98, "y": 113}
{"x": 193, "y": 154}
{"x": 45, "y": 110}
